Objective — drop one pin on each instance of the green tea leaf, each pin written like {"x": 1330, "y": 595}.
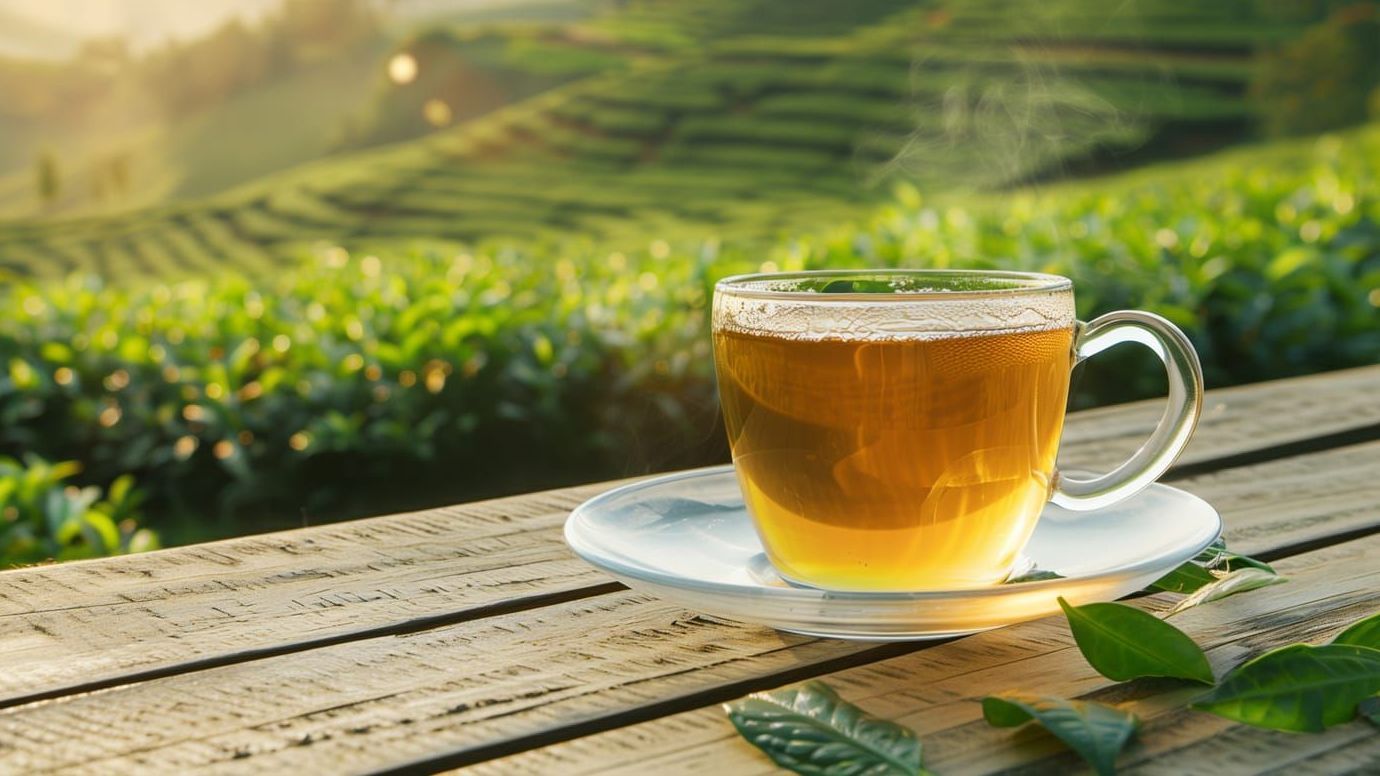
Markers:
{"x": 1362, "y": 633}
{"x": 1187, "y": 578}
{"x": 1231, "y": 562}
{"x": 1207, "y": 567}
{"x": 809, "y": 729}
{"x": 1034, "y": 575}
{"x": 1238, "y": 581}
{"x": 100, "y": 531}
{"x": 896, "y": 284}
{"x": 1123, "y": 643}
{"x": 1299, "y": 687}
{"x": 1095, "y": 731}
{"x": 1370, "y": 709}
{"x": 1218, "y": 558}
{"x": 860, "y": 286}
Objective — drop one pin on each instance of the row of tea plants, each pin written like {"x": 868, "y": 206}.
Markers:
{"x": 390, "y": 376}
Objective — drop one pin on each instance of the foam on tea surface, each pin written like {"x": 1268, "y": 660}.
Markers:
{"x": 890, "y": 308}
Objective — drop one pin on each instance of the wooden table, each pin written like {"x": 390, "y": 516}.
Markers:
{"x": 469, "y": 635}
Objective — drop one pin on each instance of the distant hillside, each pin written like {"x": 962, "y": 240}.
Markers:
{"x": 728, "y": 117}
{"x": 53, "y": 29}
{"x": 242, "y": 137}
{"x": 22, "y": 37}
{"x": 472, "y": 11}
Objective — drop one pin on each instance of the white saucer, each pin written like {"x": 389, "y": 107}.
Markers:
{"x": 687, "y": 538}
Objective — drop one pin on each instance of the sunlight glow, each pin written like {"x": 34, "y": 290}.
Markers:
{"x": 402, "y": 68}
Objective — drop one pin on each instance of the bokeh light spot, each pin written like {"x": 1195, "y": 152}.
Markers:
{"x": 402, "y": 68}
{"x": 436, "y": 113}
{"x": 184, "y": 447}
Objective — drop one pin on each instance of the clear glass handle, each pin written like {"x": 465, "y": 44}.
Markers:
{"x": 1176, "y": 425}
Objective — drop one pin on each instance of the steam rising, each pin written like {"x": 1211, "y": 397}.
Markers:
{"x": 993, "y": 112}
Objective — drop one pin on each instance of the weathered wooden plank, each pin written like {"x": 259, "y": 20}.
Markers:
{"x": 1237, "y": 420}
{"x": 1177, "y": 740}
{"x": 1272, "y": 507}
{"x": 471, "y": 687}
{"x": 72, "y": 623}
{"x": 92, "y": 623}
{"x": 379, "y": 701}
{"x": 937, "y": 692}
{"x": 1351, "y": 749}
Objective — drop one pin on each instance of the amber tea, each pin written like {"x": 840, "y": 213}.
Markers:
{"x": 895, "y": 463}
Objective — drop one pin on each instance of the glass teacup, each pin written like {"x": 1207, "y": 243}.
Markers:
{"x": 897, "y": 430}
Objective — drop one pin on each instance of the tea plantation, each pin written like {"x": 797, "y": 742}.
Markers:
{"x": 519, "y": 300}
{"x": 685, "y": 118}
{"x": 353, "y": 381}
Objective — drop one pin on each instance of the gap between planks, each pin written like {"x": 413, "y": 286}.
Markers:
{"x": 259, "y": 653}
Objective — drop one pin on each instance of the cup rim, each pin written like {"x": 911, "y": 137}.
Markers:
{"x": 1026, "y": 283}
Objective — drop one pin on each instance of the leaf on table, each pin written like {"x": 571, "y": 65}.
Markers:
{"x": 1033, "y": 575}
{"x": 1207, "y": 567}
{"x": 1122, "y": 643}
{"x": 1095, "y": 731}
{"x": 1362, "y": 633}
{"x": 1370, "y": 709}
{"x": 1299, "y": 688}
{"x": 1239, "y": 581}
{"x": 1187, "y": 578}
{"x": 809, "y": 729}
{"x": 1225, "y": 560}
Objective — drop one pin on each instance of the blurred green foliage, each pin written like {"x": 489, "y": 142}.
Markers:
{"x": 1328, "y": 78}
{"x": 355, "y": 383}
{"x": 44, "y": 518}
{"x": 437, "y": 365}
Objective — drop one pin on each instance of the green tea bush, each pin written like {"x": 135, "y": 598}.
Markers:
{"x": 440, "y": 365}
{"x": 1268, "y": 257}
{"x": 43, "y": 518}
{"x": 357, "y": 383}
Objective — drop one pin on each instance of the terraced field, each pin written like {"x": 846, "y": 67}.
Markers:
{"x": 716, "y": 127}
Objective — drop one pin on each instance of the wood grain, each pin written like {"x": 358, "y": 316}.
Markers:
{"x": 68, "y": 624}
{"x": 90, "y": 624}
{"x": 1276, "y": 507}
{"x": 938, "y": 691}
{"x": 1237, "y": 421}
{"x": 470, "y": 689}
{"x": 380, "y": 701}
